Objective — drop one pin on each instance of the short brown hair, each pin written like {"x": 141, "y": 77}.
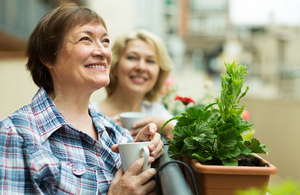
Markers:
{"x": 164, "y": 60}
{"x": 48, "y": 36}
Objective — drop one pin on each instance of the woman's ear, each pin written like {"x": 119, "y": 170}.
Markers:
{"x": 48, "y": 65}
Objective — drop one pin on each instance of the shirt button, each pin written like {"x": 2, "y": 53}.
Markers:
{"x": 78, "y": 169}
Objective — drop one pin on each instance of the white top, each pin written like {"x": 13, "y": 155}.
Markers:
{"x": 148, "y": 108}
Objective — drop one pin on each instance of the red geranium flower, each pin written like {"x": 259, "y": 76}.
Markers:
{"x": 185, "y": 100}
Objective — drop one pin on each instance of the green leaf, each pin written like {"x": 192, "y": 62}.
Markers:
{"x": 264, "y": 148}
{"x": 189, "y": 142}
{"x": 248, "y": 135}
{"x": 228, "y": 138}
{"x": 257, "y": 148}
{"x": 199, "y": 156}
{"x": 174, "y": 118}
{"x": 188, "y": 130}
{"x": 178, "y": 131}
{"x": 230, "y": 162}
{"x": 193, "y": 113}
{"x": 245, "y": 92}
{"x": 244, "y": 149}
{"x": 185, "y": 121}
{"x": 199, "y": 138}
{"x": 223, "y": 153}
{"x": 209, "y": 106}
{"x": 234, "y": 152}
{"x": 202, "y": 129}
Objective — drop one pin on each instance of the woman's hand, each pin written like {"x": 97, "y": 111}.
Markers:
{"x": 132, "y": 182}
{"x": 159, "y": 121}
{"x": 148, "y": 133}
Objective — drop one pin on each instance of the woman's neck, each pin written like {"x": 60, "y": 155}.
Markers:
{"x": 73, "y": 106}
{"x": 119, "y": 102}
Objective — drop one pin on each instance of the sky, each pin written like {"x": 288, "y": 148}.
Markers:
{"x": 285, "y": 12}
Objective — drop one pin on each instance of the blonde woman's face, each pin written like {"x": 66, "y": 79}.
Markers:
{"x": 138, "y": 68}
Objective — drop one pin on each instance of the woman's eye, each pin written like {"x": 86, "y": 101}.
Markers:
{"x": 84, "y": 39}
{"x": 151, "y": 61}
{"x": 131, "y": 58}
{"x": 106, "y": 41}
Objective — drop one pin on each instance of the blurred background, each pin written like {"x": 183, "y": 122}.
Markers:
{"x": 200, "y": 36}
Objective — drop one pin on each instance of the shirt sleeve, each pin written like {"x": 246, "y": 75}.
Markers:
{"x": 13, "y": 162}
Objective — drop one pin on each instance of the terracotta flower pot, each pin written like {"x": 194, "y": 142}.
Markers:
{"x": 225, "y": 180}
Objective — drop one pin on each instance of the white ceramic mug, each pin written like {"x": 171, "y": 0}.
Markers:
{"x": 128, "y": 118}
{"x": 130, "y": 152}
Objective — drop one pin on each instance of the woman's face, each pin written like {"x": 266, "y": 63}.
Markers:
{"x": 138, "y": 68}
{"x": 83, "y": 63}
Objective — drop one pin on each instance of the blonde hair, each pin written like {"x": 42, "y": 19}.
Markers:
{"x": 164, "y": 60}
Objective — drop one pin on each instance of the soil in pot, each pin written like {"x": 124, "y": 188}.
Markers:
{"x": 250, "y": 161}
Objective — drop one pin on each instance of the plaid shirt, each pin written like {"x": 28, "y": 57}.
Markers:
{"x": 41, "y": 153}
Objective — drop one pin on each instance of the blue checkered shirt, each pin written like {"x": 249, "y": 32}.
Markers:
{"x": 41, "y": 153}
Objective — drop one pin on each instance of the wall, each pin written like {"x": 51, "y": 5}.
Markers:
{"x": 277, "y": 125}
{"x": 16, "y": 85}
{"x": 119, "y": 16}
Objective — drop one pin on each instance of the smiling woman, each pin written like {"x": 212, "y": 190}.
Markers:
{"x": 139, "y": 69}
{"x": 59, "y": 144}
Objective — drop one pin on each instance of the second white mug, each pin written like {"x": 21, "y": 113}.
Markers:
{"x": 128, "y": 118}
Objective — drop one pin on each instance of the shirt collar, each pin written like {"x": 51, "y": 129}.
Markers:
{"x": 49, "y": 118}
{"x": 46, "y": 114}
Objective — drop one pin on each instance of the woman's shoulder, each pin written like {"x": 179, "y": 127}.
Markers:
{"x": 20, "y": 126}
{"x": 18, "y": 118}
{"x": 152, "y": 105}
{"x": 155, "y": 108}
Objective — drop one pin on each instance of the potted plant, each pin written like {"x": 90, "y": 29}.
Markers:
{"x": 217, "y": 142}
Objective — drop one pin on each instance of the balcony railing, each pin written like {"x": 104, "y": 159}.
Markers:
{"x": 172, "y": 181}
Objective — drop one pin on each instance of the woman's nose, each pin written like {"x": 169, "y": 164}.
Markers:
{"x": 141, "y": 64}
{"x": 101, "y": 51}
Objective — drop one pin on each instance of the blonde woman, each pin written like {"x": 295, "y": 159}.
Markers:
{"x": 140, "y": 66}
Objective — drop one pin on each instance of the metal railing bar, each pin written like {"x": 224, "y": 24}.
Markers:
{"x": 172, "y": 181}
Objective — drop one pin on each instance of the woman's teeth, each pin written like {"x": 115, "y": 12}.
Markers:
{"x": 139, "y": 78}
{"x": 96, "y": 66}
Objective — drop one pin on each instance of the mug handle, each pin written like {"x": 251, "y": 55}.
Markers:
{"x": 145, "y": 152}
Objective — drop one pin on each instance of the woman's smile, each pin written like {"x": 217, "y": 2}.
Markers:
{"x": 97, "y": 66}
{"x": 138, "y": 79}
